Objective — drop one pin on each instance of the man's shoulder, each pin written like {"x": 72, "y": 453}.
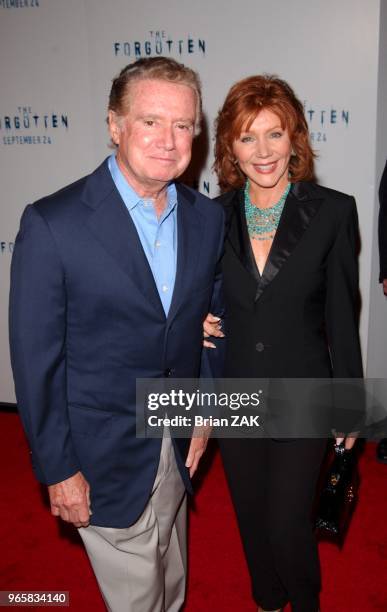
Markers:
{"x": 228, "y": 198}
{"x": 64, "y": 194}
{"x": 68, "y": 196}
{"x": 203, "y": 203}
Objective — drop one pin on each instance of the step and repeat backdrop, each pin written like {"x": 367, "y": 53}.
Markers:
{"x": 58, "y": 59}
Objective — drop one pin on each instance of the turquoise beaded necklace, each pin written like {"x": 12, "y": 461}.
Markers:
{"x": 263, "y": 222}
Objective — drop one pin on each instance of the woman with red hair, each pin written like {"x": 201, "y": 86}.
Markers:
{"x": 291, "y": 288}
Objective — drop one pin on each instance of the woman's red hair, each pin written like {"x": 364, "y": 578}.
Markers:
{"x": 243, "y": 103}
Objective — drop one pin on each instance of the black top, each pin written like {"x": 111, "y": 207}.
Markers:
{"x": 299, "y": 318}
{"x": 383, "y": 225}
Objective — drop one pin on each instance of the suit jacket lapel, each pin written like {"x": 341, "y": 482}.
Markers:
{"x": 238, "y": 236}
{"x": 300, "y": 207}
{"x": 112, "y": 225}
{"x": 190, "y": 225}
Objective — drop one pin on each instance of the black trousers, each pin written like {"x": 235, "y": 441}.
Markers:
{"x": 272, "y": 484}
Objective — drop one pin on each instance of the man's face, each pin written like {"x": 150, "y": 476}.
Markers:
{"x": 155, "y": 137}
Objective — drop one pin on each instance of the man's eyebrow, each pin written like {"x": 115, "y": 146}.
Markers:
{"x": 186, "y": 119}
{"x": 154, "y": 116}
{"x": 143, "y": 115}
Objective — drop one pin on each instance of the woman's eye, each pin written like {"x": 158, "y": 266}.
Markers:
{"x": 246, "y": 139}
{"x": 149, "y": 122}
{"x": 276, "y": 134}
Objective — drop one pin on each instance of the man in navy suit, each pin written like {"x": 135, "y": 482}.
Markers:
{"x": 111, "y": 279}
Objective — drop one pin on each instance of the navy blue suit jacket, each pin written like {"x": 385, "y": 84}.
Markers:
{"x": 86, "y": 320}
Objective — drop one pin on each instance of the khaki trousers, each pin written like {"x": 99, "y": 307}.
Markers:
{"x": 143, "y": 568}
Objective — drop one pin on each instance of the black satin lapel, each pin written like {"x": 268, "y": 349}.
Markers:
{"x": 295, "y": 219}
{"x": 190, "y": 225}
{"x": 112, "y": 225}
{"x": 239, "y": 237}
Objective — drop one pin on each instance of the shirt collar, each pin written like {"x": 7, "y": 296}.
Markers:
{"x": 128, "y": 194}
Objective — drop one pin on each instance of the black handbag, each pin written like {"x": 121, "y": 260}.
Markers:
{"x": 339, "y": 492}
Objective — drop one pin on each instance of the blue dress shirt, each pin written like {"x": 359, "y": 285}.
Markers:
{"x": 158, "y": 236}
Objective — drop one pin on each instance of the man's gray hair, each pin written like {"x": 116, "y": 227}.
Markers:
{"x": 163, "y": 68}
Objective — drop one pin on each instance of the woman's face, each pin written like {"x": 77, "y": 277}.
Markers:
{"x": 263, "y": 153}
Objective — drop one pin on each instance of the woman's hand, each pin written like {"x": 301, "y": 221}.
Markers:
{"x": 212, "y": 326}
{"x": 349, "y": 441}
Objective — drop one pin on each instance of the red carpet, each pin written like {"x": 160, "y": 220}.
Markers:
{"x": 40, "y": 553}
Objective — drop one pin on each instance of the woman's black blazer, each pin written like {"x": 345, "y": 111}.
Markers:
{"x": 300, "y": 318}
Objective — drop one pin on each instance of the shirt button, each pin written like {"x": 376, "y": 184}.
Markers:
{"x": 167, "y": 372}
{"x": 259, "y": 347}
{"x": 157, "y": 243}
{"x": 164, "y": 288}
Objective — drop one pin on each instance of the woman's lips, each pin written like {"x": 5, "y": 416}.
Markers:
{"x": 265, "y": 168}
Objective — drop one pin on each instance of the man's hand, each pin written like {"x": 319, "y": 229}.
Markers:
{"x": 212, "y": 326}
{"x": 196, "y": 448}
{"x": 385, "y": 286}
{"x": 70, "y": 499}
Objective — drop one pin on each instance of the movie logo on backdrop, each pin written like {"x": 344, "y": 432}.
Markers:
{"x": 27, "y": 126}
{"x": 202, "y": 185}
{"x": 158, "y": 42}
{"x": 6, "y": 247}
{"x": 11, "y": 4}
{"x": 322, "y": 121}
